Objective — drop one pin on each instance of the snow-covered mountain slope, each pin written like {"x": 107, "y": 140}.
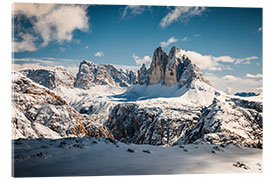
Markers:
{"x": 172, "y": 121}
{"x": 50, "y": 78}
{"x": 98, "y": 156}
{"x": 197, "y": 92}
{"x": 172, "y": 103}
{"x": 228, "y": 121}
{"x": 39, "y": 113}
{"x": 89, "y": 75}
{"x": 97, "y": 101}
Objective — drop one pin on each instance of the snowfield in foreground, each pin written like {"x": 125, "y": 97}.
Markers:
{"x": 99, "y": 156}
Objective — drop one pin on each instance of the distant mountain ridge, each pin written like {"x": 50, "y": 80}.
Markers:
{"x": 50, "y": 78}
{"x": 90, "y": 74}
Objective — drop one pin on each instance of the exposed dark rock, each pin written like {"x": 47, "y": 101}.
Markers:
{"x": 241, "y": 165}
{"x": 146, "y": 151}
{"x": 131, "y": 150}
{"x": 130, "y": 124}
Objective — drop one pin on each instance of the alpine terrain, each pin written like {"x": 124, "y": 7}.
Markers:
{"x": 168, "y": 112}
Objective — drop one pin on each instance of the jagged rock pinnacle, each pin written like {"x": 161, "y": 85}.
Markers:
{"x": 170, "y": 69}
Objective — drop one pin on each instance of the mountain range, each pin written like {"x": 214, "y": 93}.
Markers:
{"x": 169, "y": 103}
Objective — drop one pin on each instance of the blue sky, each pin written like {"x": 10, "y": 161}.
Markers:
{"x": 226, "y": 43}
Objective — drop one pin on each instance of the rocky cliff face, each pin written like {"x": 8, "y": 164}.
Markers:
{"x": 231, "y": 121}
{"x": 170, "y": 69}
{"x": 39, "y": 113}
{"x": 50, "y": 78}
{"x": 131, "y": 123}
{"x": 143, "y": 75}
{"x": 89, "y": 75}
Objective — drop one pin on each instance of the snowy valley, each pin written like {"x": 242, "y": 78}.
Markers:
{"x": 167, "y": 115}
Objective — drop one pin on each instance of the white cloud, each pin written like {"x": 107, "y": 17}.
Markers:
{"x": 231, "y": 78}
{"x": 237, "y": 84}
{"x": 50, "y": 22}
{"x": 246, "y": 60}
{"x": 132, "y": 10}
{"x": 32, "y": 9}
{"x": 168, "y": 42}
{"x": 45, "y": 60}
{"x": 228, "y": 59}
{"x": 33, "y": 60}
{"x": 140, "y": 61}
{"x": 99, "y": 54}
{"x": 205, "y": 62}
{"x": 212, "y": 63}
{"x": 184, "y": 39}
{"x": 253, "y": 76}
{"x": 181, "y": 14}
{"x": 26, "y": 44}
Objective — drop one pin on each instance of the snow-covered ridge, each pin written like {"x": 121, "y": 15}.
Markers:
{"x": 39, "y": 113}
{"x": 197, "y": 93}
{"x": 171, "y": 103}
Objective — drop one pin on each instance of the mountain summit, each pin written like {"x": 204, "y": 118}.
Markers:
{"x": 170, "y": 69}
{"x": 102, "y": 74}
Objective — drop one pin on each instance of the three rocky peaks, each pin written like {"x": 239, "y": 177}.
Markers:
{"x": 170, "y": 69}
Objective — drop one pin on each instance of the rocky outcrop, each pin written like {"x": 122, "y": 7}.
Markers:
{"x": 158, "y": 67}
{"x": 39, "y": 113}
{"x": 143, "y": 75}
{"x": 89, "y": 75}
{"x": 230, "y": 121}
{"x": 50, "y": 78}
{"x": 170, "y": 69}
{"x": 130, "y": 123}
